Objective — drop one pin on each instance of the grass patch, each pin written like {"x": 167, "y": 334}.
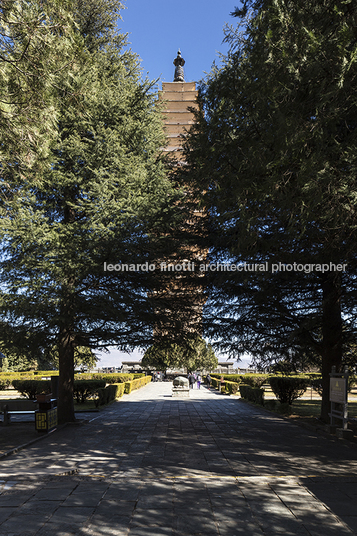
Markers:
{"x": 312, "y": 408}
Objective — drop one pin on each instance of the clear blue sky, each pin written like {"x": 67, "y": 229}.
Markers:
{"x": 158, "y": 28}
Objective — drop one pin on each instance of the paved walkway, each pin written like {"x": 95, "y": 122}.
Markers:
{"x": 151, "y": 465}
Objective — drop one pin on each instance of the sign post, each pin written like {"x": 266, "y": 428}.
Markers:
{"x": 339, "y": 405}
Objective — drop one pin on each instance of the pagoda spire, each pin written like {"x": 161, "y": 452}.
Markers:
{"x": 179, "y": 62}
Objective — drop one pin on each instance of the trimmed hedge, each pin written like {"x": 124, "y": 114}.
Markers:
{"x": 116, "y": 390}
{"x": 6, "y": 381}
{"x": 46, "y": 373}
{"x": 288, "y": 388}
{"x": 253, "y": 394}
{"x": 228, "y": 377}
{"x": 109, "y": 378}
{"x": 31, "y": 388}
{"x": 7, "y": 378}
{"x": 215, "y": 382}
{"x": 84, "y": 389}
{"x": 110, "y": 393}
{"x": 231, "y": 387}
{"x": 136, "y": 384}
{"x": 254, "y": 380}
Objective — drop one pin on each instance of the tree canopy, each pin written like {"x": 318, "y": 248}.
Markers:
{"x": 104, "y": 199}
{"x": 38, "y": 42}
{"x": 196, "y": 354}
{"x": 274, "y": 153}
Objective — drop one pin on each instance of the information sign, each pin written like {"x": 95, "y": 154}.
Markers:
{"x": 338, "y": 390}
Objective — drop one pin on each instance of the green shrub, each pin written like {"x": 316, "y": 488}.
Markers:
{"x": 316, "y": 384}
{"x": 244, "y": 390}
{"x": 6, "y": 379}
{"x": 46, "y": 373}
{"x": 110, "y": 393}
{"x": 284, "y": 408}
{"x": 270, "y": 404}
{"x": 31, "y": 388}
{"x": 136, "y": 384}
{"x": 253, "y": 394}
{"x": 232, "y": 387}
{"x": 257, "y": 396}
{"x": 118, "y": 390}
{"x": 84, "y": 389}
{"x": 215, "y": 381}
{"x": 254, "y": 380}
{"x": 103, "y": 397}
{"x": 109, "y": 378}
{"x": 228, "y": 377}
{"x": 288, "y": 388}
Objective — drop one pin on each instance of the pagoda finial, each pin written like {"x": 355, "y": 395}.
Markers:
{"x": 179, "y": 62}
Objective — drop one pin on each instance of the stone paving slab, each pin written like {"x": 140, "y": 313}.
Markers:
{"x": 152, "y": 465}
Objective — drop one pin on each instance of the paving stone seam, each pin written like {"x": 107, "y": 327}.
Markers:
{"x": 328, "y": 509}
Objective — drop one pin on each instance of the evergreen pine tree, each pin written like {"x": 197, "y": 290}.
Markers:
{"x": 105, "y": 199}
{"x": 274, "y": 152}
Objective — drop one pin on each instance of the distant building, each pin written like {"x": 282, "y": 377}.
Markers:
{"x": 224, "y": 368}
{"x": 131, "y": 366}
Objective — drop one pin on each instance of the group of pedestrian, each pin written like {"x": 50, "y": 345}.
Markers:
{"x": 197, "y": 378}
{"x": 157, "y": 377}
{"x": 194, "y": 378}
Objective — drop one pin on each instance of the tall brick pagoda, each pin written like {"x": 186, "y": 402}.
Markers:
{"x": 178, "y": 96}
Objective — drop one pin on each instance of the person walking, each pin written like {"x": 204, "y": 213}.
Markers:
{"x": 209, "y": 381}
{"x": 191, "y": 380}
{"x": 199, "y": 379}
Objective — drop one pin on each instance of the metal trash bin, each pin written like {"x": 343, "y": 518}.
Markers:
{"x": 46, "y": 415}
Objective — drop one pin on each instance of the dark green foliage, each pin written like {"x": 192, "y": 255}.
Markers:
{"x": 254, "y": 380}
{"x": 136, "y": 384}
{"x": 215, "y": 381}
{"x": 38, "y": 41}
{"x": 230, "y": 377}
{"x": 109, "y": 393}
{"x": 7, "y": 378}
{"x": 5, "y": 383}
{"x": 316, "y": 384}
{"x": 104, "y": 197}
{"x": 193, "y": 354}
{"x": 231, "y": 387}
{"x": 288, "y": 388}
{"x": 108, "y": 378}
{"x": 31, "y": 388}
{"x": 117, "y": 378}
{"x": 273, "y": 158}
{"x": 103, "y": 396}
{"x": 84, "y": 389}
{"x": 252, "y": 394}
{"x": 270, "y": 404}
{"x": 284, "y": 408}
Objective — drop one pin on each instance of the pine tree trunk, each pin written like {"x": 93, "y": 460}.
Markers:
{"x": 331, "y": 335}
{"x": 66, "y": 377}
